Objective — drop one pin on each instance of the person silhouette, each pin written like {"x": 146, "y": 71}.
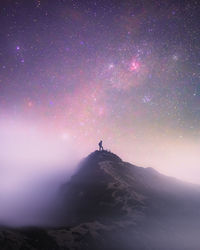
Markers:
{"x": 100, "y": 146}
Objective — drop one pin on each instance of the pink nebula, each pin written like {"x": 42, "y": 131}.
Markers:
{"x": 134, "y": 66}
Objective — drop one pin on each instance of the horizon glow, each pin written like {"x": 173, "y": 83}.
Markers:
{"x": 73, "y": 73}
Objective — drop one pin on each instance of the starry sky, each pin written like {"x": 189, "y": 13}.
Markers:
{"x": 73, "y": 72}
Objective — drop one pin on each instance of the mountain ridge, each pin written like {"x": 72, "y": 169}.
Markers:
{"x": 112, "y": 204}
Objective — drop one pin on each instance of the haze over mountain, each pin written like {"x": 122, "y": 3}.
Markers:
{"x": 73, "y": 72}
{"x": 112, "y": 204}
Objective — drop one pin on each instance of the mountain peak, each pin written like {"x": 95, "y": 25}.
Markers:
{"x": 107, "y": 188}
{"x": 112, "y": 204}
{"x": 103, "y": 155}
{"x": 103, "y": 186}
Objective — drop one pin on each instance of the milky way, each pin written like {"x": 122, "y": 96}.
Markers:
{"x": 126, "y": 72}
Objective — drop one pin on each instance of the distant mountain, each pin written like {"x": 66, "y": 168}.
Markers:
{"x": 111, "y": 204}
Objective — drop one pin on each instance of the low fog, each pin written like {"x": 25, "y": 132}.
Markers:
{"x": 33, "y": 164}
{"x": 107, "y": 198}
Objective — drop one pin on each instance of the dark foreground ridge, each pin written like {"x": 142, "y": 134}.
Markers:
{"x": 111, "y": 204}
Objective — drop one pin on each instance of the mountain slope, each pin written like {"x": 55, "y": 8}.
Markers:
{"x": 99, "y": 190}
{"x": 140, "y": 201}
{"x": 105, "y": 184}
{"x": 111, "y": 204}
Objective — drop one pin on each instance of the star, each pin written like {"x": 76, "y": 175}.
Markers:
{"x": 146, "y": 99}
{"x": 111, "y": 66}
{"x": 175, "y": 57}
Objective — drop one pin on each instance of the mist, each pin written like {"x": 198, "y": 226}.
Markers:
{"x": 33, "y": 165}
{"x": 36, "y": 160}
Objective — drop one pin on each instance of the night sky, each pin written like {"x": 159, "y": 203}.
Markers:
{"x": 126, "y": 72}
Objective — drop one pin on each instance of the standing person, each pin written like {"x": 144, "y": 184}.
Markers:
{"x": 100, "y": 146}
